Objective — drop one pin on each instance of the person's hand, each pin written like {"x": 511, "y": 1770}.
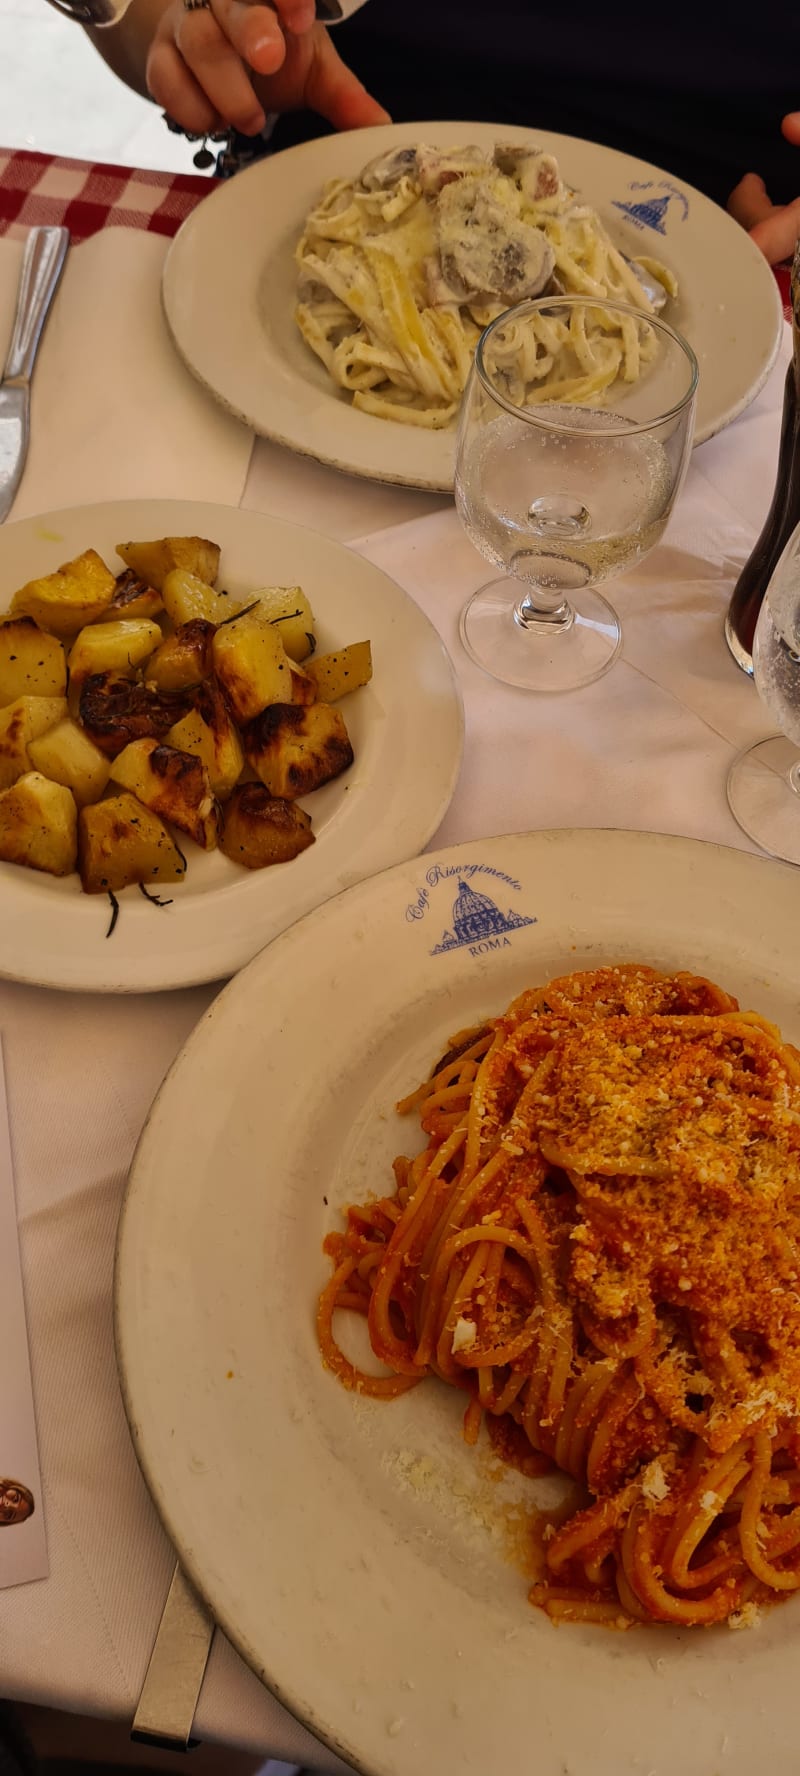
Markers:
{"x": 775, "y": 228}
{"x": 313, "y": 77}
{"x": 203, "y": 63}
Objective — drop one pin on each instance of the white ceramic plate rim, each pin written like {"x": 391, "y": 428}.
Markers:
{"x": 730, "y": 309}
{"x": 719, "y": 1696}
{"x": 407, "y": 729}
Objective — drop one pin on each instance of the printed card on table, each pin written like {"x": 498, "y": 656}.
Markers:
{"x": 23, "y": 1545}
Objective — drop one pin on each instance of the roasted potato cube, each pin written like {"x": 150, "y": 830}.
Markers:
{"x": 289, "y": 610}
{"x": 114, "y": 710}
{"x": 75, "y": 594}
{"x": 186, "y": 597}
{"x": 134, "y": 598}
{"x": 336, "y": 674}
{"x": 110, "y": 647}
{"x": 184, "y": 658}
{"x": 254, "y": 668}
{"x": 38, "y": 825}
{"x": 260, "y": 830}
{"x": 209, "y": 733}
{"x": 173, "y": 784}
{"x": 295, "y": 750}
{"x": 153, "y": 561}
{"x": 20, "y": 723}
{"x": 67, "y": 755}
{"x": 32, "y": 664}
{"x": 120, "y": 842}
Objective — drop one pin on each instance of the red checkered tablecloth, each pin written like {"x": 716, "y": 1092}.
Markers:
{"x": 783, "y": 274}
{"x": 41, "y": 188}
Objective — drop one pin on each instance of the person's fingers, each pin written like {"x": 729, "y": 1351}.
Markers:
{"x": 177, "y": 92}
{"x": 791, "y": 127}
{"x": 336, "y": 93}
{"x": 297, "y": 15}
{"x": 254, "y": 32}
{"x": 750, "y": 202}
{"x": 775, "y": 228}
{"x": 778, "y": 235}
{"x": 218, "y": 70}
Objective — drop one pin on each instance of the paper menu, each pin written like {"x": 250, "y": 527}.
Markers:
{"x": 23, "y": 1544}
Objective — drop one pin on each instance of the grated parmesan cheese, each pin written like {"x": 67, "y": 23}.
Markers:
{"x": 655, "y": 1485}
{"x": 465, "y": 1335}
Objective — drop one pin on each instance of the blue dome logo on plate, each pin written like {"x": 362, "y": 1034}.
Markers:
{"x": 477, "y": 919}
{"x": 651, "y": 208}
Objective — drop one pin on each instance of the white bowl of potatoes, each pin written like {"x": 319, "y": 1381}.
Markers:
{"x": 169, "y": 720}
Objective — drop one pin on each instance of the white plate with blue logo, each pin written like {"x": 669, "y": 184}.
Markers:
{"x": 238, "y": 336}
{"x": 406, "y": 729}
{"x": 356, "y": 1552}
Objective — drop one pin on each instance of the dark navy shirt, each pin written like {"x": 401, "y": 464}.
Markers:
{"x": 685, "y": 85}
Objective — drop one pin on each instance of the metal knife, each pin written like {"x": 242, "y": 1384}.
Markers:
{"x": 174, "y": 1679}
{"x": 42, "y": 265}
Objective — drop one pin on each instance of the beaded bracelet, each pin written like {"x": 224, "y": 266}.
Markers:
{"x": 233, "y": 152}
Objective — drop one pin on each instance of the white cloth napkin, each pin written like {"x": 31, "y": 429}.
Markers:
{"x": 648, "y": 746}
{"x": 81, "y": 1074}
{"x": 114, "y": 413}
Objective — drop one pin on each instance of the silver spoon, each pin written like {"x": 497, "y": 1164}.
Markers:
{"x": 651, "y": 285}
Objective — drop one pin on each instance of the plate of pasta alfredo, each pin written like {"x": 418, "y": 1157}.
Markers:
{"x": 481, "y": 1425}
{"x": 367, "y": 264}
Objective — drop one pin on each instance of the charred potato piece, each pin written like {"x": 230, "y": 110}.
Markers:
{"x": 120, "y": 842}
{"x": 110, "y": 647}
{"x": 260, "y": 830}
{"x": 173, "y": 784}
{"x": 134, "y": 598}
{"x": 32, "y": 664}
{"x": 64, "y": 601}
{"x": 209, "y": 732}
{"x": 186, "y": 597}
{"x": 38, "y": 825}
{"x": 114, "y": 711}
{"x": 153, "y": 561}
{"x": 20, "y": 723}
{"x": 66, "y": 755}
{"x": 295, "y": 751}
{"x": 288, "y": 609}
{"x": 336, "y": 674}
{"x": 184, "y": 659}
{"x": 254, "y": 668}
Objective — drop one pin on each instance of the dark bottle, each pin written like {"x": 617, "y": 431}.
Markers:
{"x": 783, "y": 515}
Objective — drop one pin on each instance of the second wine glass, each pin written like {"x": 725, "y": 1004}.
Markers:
{"x": 764, "y": 781}
{"x": 560, "y": 492}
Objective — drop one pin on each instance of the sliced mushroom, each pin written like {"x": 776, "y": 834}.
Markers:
{"x": 386, "y": 170}
{"x": 535, "y": 171}
{"x": 485, "y": 250}
{"x": 437, "y": 167}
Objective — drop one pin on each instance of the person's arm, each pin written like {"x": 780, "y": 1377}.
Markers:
{"x": 199, "y": 64}
{"x": 775, "y": 228}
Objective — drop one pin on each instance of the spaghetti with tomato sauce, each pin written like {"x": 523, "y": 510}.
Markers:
{"x": 600, "y": 1245}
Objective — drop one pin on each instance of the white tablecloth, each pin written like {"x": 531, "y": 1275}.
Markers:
{"x": 648, "y": 746}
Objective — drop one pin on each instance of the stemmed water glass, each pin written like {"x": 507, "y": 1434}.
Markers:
{"x": 559, "y": 491}
{"x": 764, "y": 781}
